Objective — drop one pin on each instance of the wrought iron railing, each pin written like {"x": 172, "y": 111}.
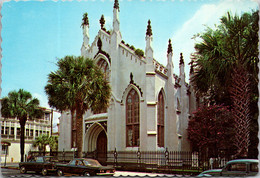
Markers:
{"x": 159, "y": 161}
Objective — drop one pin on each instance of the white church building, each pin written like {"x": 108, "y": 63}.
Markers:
{"x": 150, "y": 105}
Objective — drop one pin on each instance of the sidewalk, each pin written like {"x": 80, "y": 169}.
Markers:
{"x": 10, "y": 165}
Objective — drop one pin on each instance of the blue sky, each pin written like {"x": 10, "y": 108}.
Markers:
{"x": 34, "y": 34}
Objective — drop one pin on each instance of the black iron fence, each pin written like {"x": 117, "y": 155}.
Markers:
{"x": 180, "y": 162}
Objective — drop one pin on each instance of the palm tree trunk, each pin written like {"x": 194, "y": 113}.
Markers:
{"x": 22, "y": 125}
{"x": 79, "y": 117}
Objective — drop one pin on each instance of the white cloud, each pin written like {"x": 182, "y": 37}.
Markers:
{"x": 209, "y": 15}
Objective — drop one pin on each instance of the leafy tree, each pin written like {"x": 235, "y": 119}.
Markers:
{"x": 78, "y": 85}
{"x": 211, "y": 130}
{"x": 53, "y": 143}
{"x": 233, "y": 45}
{"x": 43, "y": 140}
{"x": 139, "y": 52}
{"x": 21, "y": 105}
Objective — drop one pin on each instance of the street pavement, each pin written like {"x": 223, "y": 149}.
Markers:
{"x": 12, "y": 170}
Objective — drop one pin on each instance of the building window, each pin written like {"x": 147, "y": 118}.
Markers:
{"x": 18, "y": 131}
{"x": 36, "y": 133}
{"x": 27, "y": 132}
{"x": 102, "y": 63}
{"x": 7, "y": 130}
{"x": 160, "y": 120}
{"x": 132, "y": 119}
{"x": 12, "y": 130}
{"x": 47, "y": 116}
{"x": 31, "y": 132}
{"x": 3, "y": 130}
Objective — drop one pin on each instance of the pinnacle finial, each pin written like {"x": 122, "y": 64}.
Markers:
{"x": 169, "y": 47}
{"x": 149, "y": 29}
{"x": 181, "y": 59}
{"x": 116, "y": 4}
{"x": 85, "y": 19}
{"x": 102, "y": 22}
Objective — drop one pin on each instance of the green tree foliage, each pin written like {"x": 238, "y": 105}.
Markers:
{"x": 20, "y": 104}
{"x": 139, "y": 52}
{"x": 78, "y": 85}
{"x": 43, "y": 140}
{"x": 233, "y": 44}
{"x": 234, "y": 41}
{"x": 211, "y": 130}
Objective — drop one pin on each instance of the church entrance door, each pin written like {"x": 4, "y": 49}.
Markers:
{"x": 102, "y": 147}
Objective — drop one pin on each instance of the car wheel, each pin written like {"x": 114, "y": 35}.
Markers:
{"x": 60, "y": 172}
{"x": 44, "y": 172}
{"x": 23, "y": 170}
{"x": 85, "y": 174}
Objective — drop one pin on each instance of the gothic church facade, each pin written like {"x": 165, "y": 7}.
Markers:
{"x": 149, "y": 107}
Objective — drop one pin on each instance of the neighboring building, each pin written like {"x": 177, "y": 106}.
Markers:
{"x": 149, "y": 106}
{"x": 10, "y": 134}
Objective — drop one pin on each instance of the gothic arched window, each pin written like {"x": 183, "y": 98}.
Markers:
{"x": 160, "y": 120}
{"x": 102, "y": 63}
{"x": 132, "y": 119}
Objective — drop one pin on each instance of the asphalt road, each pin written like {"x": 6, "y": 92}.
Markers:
{"x": 16, "y": 173}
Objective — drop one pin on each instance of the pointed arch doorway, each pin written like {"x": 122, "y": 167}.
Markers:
{"x": 102, "y": 147}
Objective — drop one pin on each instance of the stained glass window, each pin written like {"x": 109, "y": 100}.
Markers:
{"x": 132, "y": 119}
{"x": 160, "y": 120}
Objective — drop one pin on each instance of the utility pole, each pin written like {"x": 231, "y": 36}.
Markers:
{"x": 51, "y": 120}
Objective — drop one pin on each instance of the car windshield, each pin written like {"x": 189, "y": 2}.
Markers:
{"x": 91, "y": 162}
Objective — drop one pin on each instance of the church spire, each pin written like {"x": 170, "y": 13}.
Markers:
{"x": 149, "y": 29}
{"x": 116, "y": 5}
{"x": 169, "y": 47}
{"x": 102, "y": 22}
{"x": 116, "y": 22}
{"x": 181, "y": 59}
{"x": 181, "y": 66}
{"x": 169, "y": 60}
{"x": 149, "y": 48}
{"x": 85, "y": 28}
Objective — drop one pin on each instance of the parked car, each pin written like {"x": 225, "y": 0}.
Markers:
{"x": 235, "y": 168}
{"x": 85, "y": 167}
{"x": 42, "y": 164}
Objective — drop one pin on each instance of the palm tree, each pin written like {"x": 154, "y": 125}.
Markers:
{"x": 53, "y": 143}
{"x": 22, "y": 106}
{"x": 78, "y": 85}
{"x": 41, "y": 142}
{"x": 232, "y": 47}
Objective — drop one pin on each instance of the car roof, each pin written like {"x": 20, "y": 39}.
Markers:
{"x": 244, "y": 161}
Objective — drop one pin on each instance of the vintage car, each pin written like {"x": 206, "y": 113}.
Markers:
{"x": 85, "y": 167}
{"x": 43, "y": 164}
{"x": 235, "y": 168}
